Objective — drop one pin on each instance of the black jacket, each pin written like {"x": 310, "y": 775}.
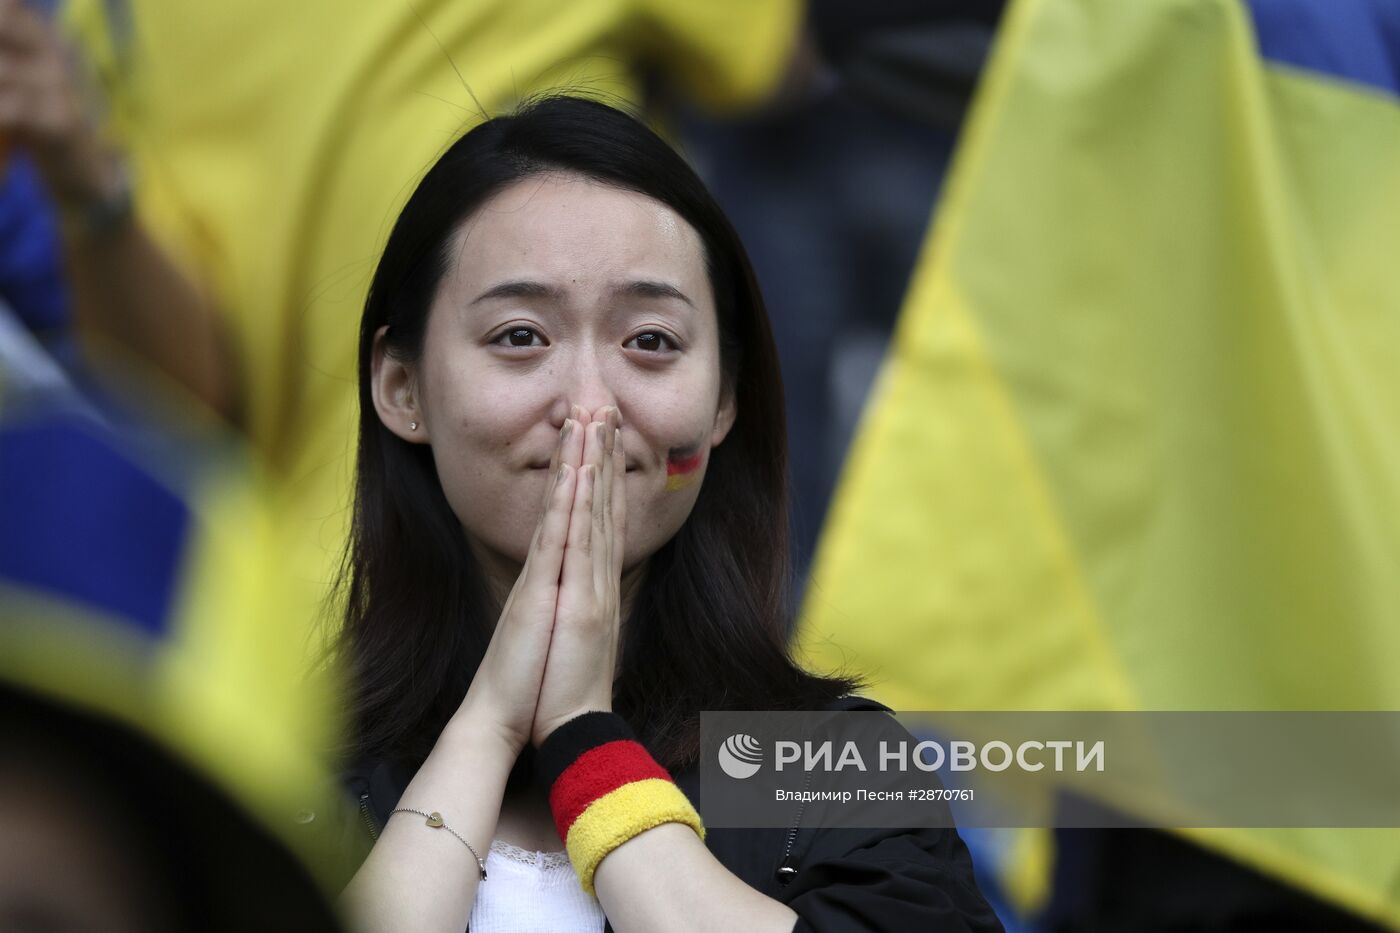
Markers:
{"x": 835, "y": 880}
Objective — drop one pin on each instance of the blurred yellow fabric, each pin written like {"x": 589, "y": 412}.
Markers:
{"x": 1134, "y": 445}
{"x": 221, "y": 677}
{"x": 273, "y": 145}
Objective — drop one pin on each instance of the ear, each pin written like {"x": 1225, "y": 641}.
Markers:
{"x": 394, "y": 385}
{"x": 724, "y": 417}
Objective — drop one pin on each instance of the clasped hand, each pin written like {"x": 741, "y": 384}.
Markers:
{"x": 43, "y": 110}
{"x": 554, "y": 650}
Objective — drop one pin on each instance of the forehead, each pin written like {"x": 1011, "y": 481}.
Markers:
{"x": 576, "y": 232}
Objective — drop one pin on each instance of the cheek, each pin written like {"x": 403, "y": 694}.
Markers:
{"x": 476, "y": 431}
{"x": 497, "y": 506}
{"x": 676, "y": 431}
{"x": 660, "y": 499}
{"x": 477, "y": 413}
{"x": 657, "y": 508}
{"x": 459, "y": 389}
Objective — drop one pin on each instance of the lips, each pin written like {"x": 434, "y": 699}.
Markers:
{"x": 631, "y": 467}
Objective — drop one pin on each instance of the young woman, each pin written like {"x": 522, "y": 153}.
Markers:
{"x": 570, "y": 537}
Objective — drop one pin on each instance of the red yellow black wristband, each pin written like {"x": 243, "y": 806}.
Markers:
{"x": 604, "y": 788}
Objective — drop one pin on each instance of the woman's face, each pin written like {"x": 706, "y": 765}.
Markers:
{"x": 565, "y": 291}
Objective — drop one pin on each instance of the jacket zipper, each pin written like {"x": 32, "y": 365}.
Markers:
{"x": 364, "y": 815}
{"x": 786, "y": 869}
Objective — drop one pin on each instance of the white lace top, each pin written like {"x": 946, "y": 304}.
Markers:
{"x": 527, "y": 891}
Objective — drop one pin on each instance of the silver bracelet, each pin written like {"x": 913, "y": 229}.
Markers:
{"x": 434, "y": 820}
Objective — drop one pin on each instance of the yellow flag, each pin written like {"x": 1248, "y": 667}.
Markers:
{"x": 1134, "y": 445}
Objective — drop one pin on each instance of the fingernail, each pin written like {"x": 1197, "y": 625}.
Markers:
{"x": 567, "y": 429}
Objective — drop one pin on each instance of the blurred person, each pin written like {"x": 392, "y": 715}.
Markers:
{"x": 563, "y": 322}
{"x": 122, "y": 285}
{"x": 104, "y": 831}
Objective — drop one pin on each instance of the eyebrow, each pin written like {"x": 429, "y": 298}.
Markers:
{"x": 640, "y": 288}
{"x": 647, "y": 288}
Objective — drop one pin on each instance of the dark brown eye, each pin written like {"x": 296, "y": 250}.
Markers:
{"x": 654, "y": 342}
{"x": 519, "y": 337}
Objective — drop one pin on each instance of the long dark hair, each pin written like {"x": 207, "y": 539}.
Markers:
{"x": 708, "y": 627}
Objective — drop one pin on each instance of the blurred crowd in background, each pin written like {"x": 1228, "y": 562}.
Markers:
{"x": 191, "y": 201}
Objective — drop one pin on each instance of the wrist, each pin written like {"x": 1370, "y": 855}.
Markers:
{"x": 474, "y": 723}
{"x": 91, "y": 189}
{"x": 545, "y": 728}
{"x": 604, "y": 788}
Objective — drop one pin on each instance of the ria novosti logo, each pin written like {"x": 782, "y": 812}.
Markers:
{"x": 740, "y": 756}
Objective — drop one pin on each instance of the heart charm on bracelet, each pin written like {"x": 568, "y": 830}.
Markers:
{"x": 435, "y": 819}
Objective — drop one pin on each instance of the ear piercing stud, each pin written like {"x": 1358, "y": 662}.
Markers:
{"x": 413, "y": 426}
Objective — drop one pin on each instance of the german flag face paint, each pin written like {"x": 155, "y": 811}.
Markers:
{"x": 682, "y": 467}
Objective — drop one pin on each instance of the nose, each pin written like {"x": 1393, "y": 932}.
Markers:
{"x": 587, "y": 384}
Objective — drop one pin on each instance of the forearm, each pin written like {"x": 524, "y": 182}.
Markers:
{"x": 665, "y": 879}
{"x": 127, "y": 291}
{"x": 423, "y": 879}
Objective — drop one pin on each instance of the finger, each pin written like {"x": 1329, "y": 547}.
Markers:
{"x": 543, "y": 565}
{"x": 21, "y": 29}
{"x": 573, "y": 456}
{"x": 619, "y": 466}
{"x": 573, "y": 450}
{"x": 550, "y": 487}
{"x": 27, "y": 108}
{"x": 592, "y": 453}
{"x": 617, "y": 528}
{"x": 575, "y": 581}
{"x": 602, "y": 504}
{"x": 554, "y": 460}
